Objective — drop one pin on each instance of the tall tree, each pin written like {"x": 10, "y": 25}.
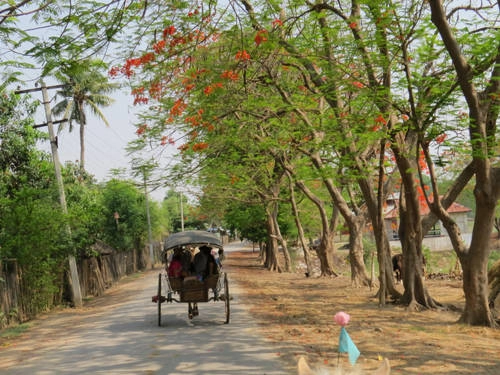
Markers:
{"x": 86, "y": 88}
{"x": 477, "y": 68}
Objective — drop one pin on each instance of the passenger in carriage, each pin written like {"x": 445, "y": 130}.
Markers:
{"x": 187, "y": 261}
{"x": 204, "y": 263}
{"x": 175, "y": 268}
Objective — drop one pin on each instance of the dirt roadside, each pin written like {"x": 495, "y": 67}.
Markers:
{"x": 296, "y": 313}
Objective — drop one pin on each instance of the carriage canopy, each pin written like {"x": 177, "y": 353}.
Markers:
{"x": 193, "y": 238}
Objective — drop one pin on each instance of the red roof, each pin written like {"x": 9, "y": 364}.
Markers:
{"x": 424, "y": 209}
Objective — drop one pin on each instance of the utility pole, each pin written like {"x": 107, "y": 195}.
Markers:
{"x": 150, "y": 235}
{"x": 75, "y": 281}
{"x": 182, "y": 213}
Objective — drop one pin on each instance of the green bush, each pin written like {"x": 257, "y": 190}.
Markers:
{"x": 34, "y": 231}
{"x": 128, "y": 230}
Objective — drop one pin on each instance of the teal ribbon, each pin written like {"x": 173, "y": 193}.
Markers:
{"x": 346, "y": 345}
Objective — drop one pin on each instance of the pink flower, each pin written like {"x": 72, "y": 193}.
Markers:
{"x": 342, "y": 318}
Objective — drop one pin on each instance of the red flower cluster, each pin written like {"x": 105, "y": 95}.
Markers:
{"x": 260, "y": 37}
{"x": 178, "y": 107}
{"x": 441, "y": 138}
{"x": 139, "y": 97}
{"x": 155, "y": 90}
{"x": 192, "y": 14}
{"x": 381, "y": 120}
{"x": 159, "y": 46}
{"x": 127, "y": 68}
{"x": 242, "y": 55}
{"x": 210, "y": 88}
{"x": 169, "y": 31}
{"x": 183, "y": 147}
{"x": 167, "y": 140}
{"x": 141, "y": 129}
{"x": 234, "y": 179}
{"x": 200, "y": 146}
{"x": 277, "y": 23}
{"x": 230, "y": 74}
{"x": 140, "y": 100}
{"x": 422, "y": 162}
{"x": 113, "y": 72}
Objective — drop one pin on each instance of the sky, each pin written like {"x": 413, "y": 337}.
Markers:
{"x": 104, "y": 146}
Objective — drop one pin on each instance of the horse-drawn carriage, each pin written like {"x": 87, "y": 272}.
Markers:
{"x": 192, "y": 285}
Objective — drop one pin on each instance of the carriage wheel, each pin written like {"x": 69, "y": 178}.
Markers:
{"x": 159, "y": 300}
{"x": 226, "y": 298}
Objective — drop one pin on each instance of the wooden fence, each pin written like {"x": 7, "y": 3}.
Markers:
{"x": 96, "y": 274}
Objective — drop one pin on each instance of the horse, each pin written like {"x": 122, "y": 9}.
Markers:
{"x": 397, "y": 266}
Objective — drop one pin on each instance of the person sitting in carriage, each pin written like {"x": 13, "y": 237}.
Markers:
{"x": 204, "y": 263}
{"x": 175, "y": 265}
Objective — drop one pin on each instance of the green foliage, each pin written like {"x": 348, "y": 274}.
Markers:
{"x": 33, "y": 229}
{"x": 159, "y": 221}
{"x": 87, "y": 87}
{"x": 85, "y": 208}
{"x": 20, "y": 162}
{"x": 129, "y": 230}
{"x": 171, "y": 208}
{"x": 321, "y": 83}
{"x": 55, "y": 33}
{"x": 249, "y": 221}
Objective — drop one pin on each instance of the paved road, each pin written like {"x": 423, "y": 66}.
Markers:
{"x": 124, "y": 338}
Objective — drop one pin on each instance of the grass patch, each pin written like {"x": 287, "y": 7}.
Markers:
{"x": 494, "y": 256}
{"x": 11, "y": 332}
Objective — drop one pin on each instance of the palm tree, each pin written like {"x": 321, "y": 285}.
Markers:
{"x": 87, "y": 86}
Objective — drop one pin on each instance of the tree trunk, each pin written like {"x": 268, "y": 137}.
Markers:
{"x": 475, "y": 284}
{"x": 416, "y": 295}
{"x": 83, "y": 122}
{"x": 284, "y": 246}
{"x": 272, "y": 260}
{"x": 300, "y": 229}
{"x": 475, "y": 263}
{"x": 82, "y": 147}
{"x": 375, "y": 207}
{"x": 352, "y": 221}
{"x": 325, "y": 250}
{"x": 359, "y": 277}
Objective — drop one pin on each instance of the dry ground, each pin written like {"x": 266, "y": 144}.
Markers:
{"x": 297, "y": 313}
